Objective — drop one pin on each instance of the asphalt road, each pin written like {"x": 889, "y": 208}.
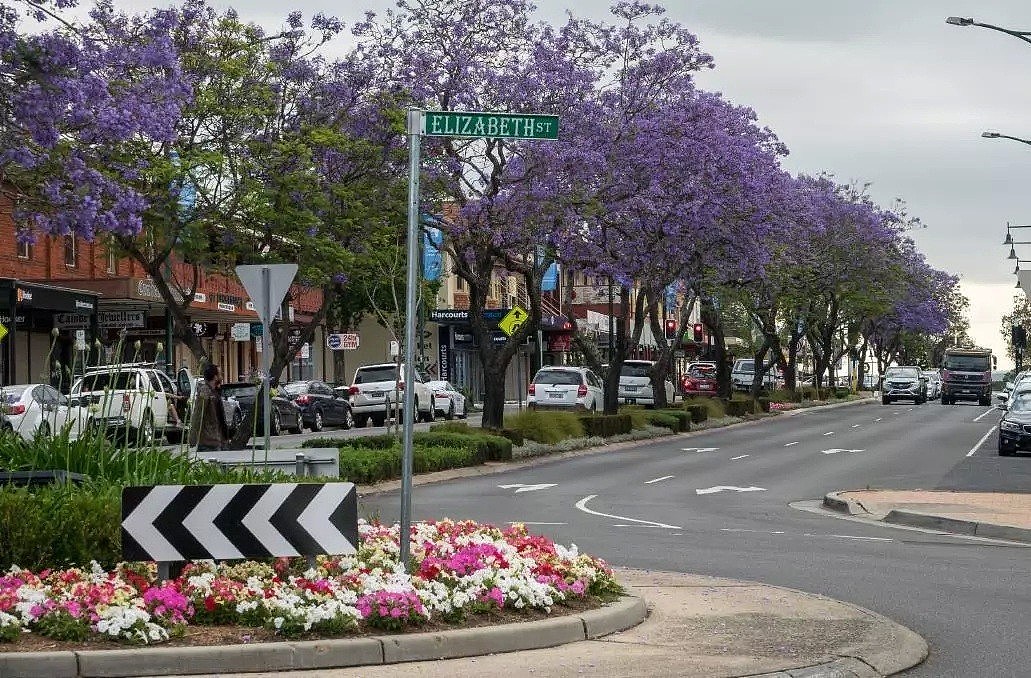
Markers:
{"x": 660, "y": 506}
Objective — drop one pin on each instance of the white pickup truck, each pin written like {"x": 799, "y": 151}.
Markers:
{"x": 130, "y": 399}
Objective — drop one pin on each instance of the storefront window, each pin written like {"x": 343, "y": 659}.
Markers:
{"x": 70, "y": 251}
{"x": 24, "y": 250}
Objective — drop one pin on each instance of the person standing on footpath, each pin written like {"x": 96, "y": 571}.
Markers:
{"x": 208, "y": 429}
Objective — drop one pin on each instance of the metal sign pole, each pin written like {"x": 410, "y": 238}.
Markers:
{"x": 266, "y": 354}
{"x": 414, "y": 143}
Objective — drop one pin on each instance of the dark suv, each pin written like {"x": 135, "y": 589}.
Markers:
{"x": 319, "y": 404}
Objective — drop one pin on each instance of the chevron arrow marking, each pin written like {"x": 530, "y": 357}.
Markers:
{"x": 201, "y": 523}
{"x": 139, "y": 524}
{"x": 259, "y": 520}
{"x": 317, "y": 519}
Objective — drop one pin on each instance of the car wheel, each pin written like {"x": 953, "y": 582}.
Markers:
{"x": 298, "y": 426}
{"x": 450, "y": 411}
{"x": 316, "y": 421}
{"x": 885, "y": 400}
{"x": 348, "y": 419}
{"x": 1004, "y": 451}
{"x": 277, "y": 424}
{"x": 379, "y": 419}
{"x": 361, "y": 420}
{"x": 921, "y": 401}
{"x": 431, "y": 415}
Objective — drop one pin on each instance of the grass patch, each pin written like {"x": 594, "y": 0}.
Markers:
{"x": 714, "y": 407}
{"x": 544, "y": 426}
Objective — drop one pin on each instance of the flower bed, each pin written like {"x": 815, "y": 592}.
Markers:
{"x": 460, "y": 569}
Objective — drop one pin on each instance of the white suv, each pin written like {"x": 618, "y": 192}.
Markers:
{"x": 372, "y": 394}
{"x": 131, "y": 398}
{"x": 576, "y": 388}
{"x": 635, "y": 384}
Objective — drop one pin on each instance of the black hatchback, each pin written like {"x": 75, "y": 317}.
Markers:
{"x": 319, "y": 404}
{"x": 1015, "y": 426}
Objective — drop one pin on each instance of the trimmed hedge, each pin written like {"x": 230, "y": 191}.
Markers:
{"x": 60, "y": 525}
{"x": 491, "y": 447}
{"x": 638, "y": 420}
{"x": 607, "y": 425}
{"x": 545, "y": 426}
{"x": 664, "y": 420}
{"x": 764, "y": 404}
{"x": 683, "y": 417}
{"x": 698, "y": 413}
{"x": 452, "y": 426}
{"x": 516, "y": 437}
{"x": 739, "y": 408}
{"x": 714, "y": 407}
{"x": 366, "y": 466}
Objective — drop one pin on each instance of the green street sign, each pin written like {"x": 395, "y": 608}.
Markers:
{"x": 480, "y": 124}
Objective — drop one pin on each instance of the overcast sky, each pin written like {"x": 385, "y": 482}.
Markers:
{"x": 880, "y": 91}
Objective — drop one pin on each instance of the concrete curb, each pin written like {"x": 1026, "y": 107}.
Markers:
{"x": 930, "y": 521}
{"x": 958, "y": 526}
{"x": 324, "y": 654}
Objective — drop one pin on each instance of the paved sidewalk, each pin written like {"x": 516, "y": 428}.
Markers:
{"x": 702, "y": 626}
{"x": 1001, "y": 515}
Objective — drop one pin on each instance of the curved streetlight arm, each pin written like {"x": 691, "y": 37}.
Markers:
{"x": 997, "y": 135}
{"x": 960, "y": 21}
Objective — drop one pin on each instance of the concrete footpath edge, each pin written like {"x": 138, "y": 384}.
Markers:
{"x": 629, "y": 611}
{"x": 929, "y": 521}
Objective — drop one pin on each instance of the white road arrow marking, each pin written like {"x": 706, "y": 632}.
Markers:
{"x": 740, "y": 456}
{"x": 258, "y": 519}
{"x": 315, "y": 519}
{"x": 878, "y": 419}
{"x": 656, "y": 480}
{"x": 140, "y": 523}
{"x": 527, "y": 488}
{"x": 700, "y": 449}
{"x": 729, "y": 488}
{"x": 582, "y": 505}
{"x": 829, "y": 433}
{"x": 200, "y": 522}
{"x": 790, "y": 444}
{"x": 855, "y": 425}
{"x": 835, "y": 450}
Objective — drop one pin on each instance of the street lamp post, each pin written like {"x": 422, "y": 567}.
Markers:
{"x": 996, "y": 135}
{"x": 1013, "y": 252}
{"x": 962, "y": 21}
{"x": 1009, "y": 236}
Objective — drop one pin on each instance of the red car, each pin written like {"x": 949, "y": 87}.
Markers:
{"x": 700, "y": 380}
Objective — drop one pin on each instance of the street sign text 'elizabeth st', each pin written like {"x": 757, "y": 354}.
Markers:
{"x": 498, "y": 125}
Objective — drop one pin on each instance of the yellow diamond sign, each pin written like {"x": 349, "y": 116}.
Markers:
{"x": 3, "y": 332}
{"x": 513, "y": 320}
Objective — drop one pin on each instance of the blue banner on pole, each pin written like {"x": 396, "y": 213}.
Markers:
{"x": 432, "y": 257}
{"x": 549, "y": 281}
{"x": 671, "y": 296}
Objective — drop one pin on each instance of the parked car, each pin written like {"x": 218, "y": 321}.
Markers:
{"x": 743, "y": 373}
{"x": 31, "y": 410}
{"x": 131, "y": 399}
{"x": 448, "y": 402}
{"x": 571, "y": 388}
{"x": 703, "y": 364}
{"x": 700, "y": 380}
{"x": 285, "y": 413}
{"x": 635, "y": 384}
{"x": 372, "y": 394}
{"x": 1015, "y": 425}
{"x": 934, "y": 384}
{"x": 904, "y": 383}
{"x": 319, "y": 404}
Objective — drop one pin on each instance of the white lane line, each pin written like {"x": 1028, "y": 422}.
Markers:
{"x": 699, "y": 449}
{"x": 740, "y": 456}
{"x": 582, "y": 506}
{"x": 790, "y": 444}
{"x": 526, "y": 522}
{"x": 741, "y": 529}
{"x": 829, "y": 433}
{"x": 980, "y": 442}
{"x": 878, "y": 419}
{"x": 656, "y": 480}
{"x": 984, "y": 414}
{"x": 855, "y": 425}
{"x": 837, "y": 449}
{"x": 729, "y": 488}
{"x": 847, "y": 536}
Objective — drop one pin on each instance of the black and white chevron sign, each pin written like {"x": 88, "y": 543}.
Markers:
{"x": 224, "y": 522}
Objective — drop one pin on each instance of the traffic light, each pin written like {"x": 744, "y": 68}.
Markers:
{"x": 671, "y": 328}
{"x": 697, "y": 331}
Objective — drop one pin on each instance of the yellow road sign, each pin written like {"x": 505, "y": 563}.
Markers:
{"x": 512, "y": 321}
{"x": 3, "y": 332}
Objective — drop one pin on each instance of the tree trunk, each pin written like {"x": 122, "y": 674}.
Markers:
{"x": 711, "y": 319}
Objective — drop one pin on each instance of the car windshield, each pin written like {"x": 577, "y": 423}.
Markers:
{"x": 1020, "y": 402}
{"x": 11, "y": 395}
{"x": 241, "y": 390}
{"x": 635, "y": 369}
{"x": 296, "y": 387}
{"x": 702, "y": 372}
{"x": 902, "y": 373}
{"x": 371, "y": 375}
{"x": 967, "y": 363}
{"x": 558, "y": 377}
{"x": 745, "y": 366}
{"x": 933, "y": 376}
{"x": 106, "y": 380}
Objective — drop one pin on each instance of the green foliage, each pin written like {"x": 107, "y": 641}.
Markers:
{"x": 383, "y": 441}
{"x": 763, "y": 403}
{"x": 367, "y": 466}
{"x": 545, "y": 426}
{"x": 664, "y": 420}
{"x": 739, "y": 408}
{"x": 60, "y": 625}
{"x": 60, "y": 525}
{"x": 682, "y": 416}
{"x": 607, "y": 425}
{"x": 638, "y": 420}
{"x": 697, "y": 411}
{"x": 453, "y": 426}
{"x": 713, "y": 406}
{"x": 490, "y": 447}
